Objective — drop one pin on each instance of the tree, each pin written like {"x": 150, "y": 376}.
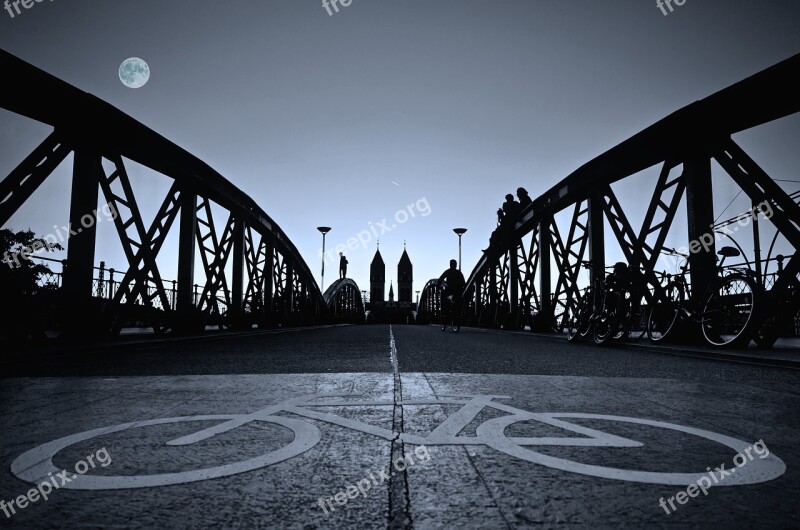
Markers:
{"x": 19, "y": 281}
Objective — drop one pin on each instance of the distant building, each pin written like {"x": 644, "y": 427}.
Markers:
{"x": 401, "y": 310}
{"x": 377, "y": 278}
{"x": 405, "y": 279}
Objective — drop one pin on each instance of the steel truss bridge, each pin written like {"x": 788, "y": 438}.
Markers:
{"x": 533, "y": 277}
{"x": 254, "y": 275}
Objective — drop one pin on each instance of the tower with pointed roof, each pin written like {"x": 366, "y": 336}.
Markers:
{"x": 405, "y": 278}
{"x": 377, "y": 278}
{"x": 391, "y": 293}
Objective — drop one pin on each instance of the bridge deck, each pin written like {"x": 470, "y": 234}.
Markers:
{"x": 470, "y": 469}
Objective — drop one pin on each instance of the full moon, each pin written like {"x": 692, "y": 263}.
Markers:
{"x": 134, "y": 72}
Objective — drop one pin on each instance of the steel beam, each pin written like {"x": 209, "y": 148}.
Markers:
{"x": 78, "y": 273}
{"x": 186, "y": 251}
{"x": 700, "y": 217}
{"x": 237, "y": 280}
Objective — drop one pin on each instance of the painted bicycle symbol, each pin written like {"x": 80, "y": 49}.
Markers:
{"x": 34, "y": 465}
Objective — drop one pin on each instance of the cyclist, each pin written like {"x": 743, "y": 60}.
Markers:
{"x": 452, "y": 284}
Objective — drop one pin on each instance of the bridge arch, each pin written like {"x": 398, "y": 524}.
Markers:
{"x": 344, "y": 302}
{"x": 253, "y": 273}
{"x": 533, "y": 277}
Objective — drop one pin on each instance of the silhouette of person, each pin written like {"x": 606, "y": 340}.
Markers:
{"x": 342, "y": 265}
{"x": 452, "y": 283}
{"x": 524, "y": 199}
{"x": 510, "y": 209}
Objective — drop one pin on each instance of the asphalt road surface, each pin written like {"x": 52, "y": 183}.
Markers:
{"x": 395, "y": 427}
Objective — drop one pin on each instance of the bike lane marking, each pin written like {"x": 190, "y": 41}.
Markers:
{"x": 754, "y": 472}
{"x": 36, "y": 465}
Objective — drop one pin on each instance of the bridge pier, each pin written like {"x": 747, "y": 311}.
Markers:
{"x": 184, "y": 306}
{"x": 236, "y": 310}
{"x": 80, "y": 313}
{"x": 700, "y": 217}
{"x": 513, "y": 280}
{"x": 597, "y": 245}
{"x": 546, "y": 315}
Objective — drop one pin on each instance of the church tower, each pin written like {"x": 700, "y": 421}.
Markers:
{"x": 405, "y": 278}
{"x": 377, "y": 278}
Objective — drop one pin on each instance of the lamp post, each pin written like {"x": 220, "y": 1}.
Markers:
{"x": 324, "y": 230}
{"x": 459, "y": 232}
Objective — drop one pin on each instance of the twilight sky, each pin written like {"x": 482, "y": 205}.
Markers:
{"x": 437, "y": 107}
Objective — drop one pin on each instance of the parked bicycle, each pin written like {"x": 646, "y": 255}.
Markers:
{"x": 725, "y": 312}
{"x": 614, "y": 318}
{"x": 781, "y": 308}
{"x": 609, "y": 308}
{"x": 580, "y": 320}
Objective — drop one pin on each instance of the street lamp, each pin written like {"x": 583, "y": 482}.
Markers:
{"x": 324, "y": 230}
{"x": 459, "y": 232}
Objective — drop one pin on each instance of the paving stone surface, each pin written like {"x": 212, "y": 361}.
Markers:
{"x": 250, "y": 440}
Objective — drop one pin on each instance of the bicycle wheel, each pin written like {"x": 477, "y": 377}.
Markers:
{"x": 626, "y": 320}
{"x": 664, "y": 315}
{"x": 636, "y": 323}
{"x": 607, "y": 323}
{"x": 767, "y": 334}
{"x": 579, "y": 323}
{"x": 493, "y": 431}
{"x": 781, "y": 313}
{"x": 34, "y": 465}
{"x": 729, "y": 311}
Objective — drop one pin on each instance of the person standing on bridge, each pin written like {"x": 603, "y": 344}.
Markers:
{"x": 524, "y": 199}
{"x": 342, "y": 265}
{"x": 506, "y": 216}
{"x": 510, "y": 210}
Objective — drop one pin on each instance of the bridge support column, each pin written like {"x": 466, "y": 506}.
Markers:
{"x": 597, "y": 245}
{"x": 289, "y": 295}
{"x": 545, "y": 293}
{"x": 269, "y": 265}
{"x": 237, "y": 281}
{"x": 186, "y": 249}
{"x": 80, "y": 317}
{"x": 700, "y": 217}
{"x": 513, "y": 279}
{"x": 492, "y": 323}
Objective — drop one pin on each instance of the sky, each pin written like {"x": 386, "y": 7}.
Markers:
{"x": 435, "y": 108}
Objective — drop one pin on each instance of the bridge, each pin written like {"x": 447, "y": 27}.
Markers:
{"x": 255, "y": 277}
{"x": 258, "y": 399}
